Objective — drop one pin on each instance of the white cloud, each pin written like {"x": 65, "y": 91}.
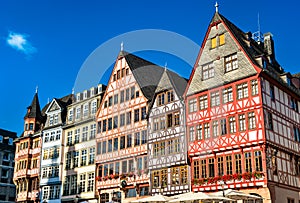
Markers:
{"x": 20, "y": 43}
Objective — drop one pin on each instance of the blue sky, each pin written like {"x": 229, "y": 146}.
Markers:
{"x": 45, "y": 43}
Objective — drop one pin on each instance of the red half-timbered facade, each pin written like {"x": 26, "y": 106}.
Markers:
{"x": 27, "y": 156}
{"x": 121, "y": 154}
{"x": 242, "y": 116}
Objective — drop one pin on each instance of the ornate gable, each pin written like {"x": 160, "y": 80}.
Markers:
{"x": 225, "y": 56}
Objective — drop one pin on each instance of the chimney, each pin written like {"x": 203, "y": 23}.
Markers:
{"x": 269, "y": 45}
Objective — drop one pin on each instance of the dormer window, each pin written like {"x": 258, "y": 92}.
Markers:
{"x": 208, "y": 71}
{"x": 55, "y": 119}
{"x": 78, "y": 97}
{"x": 1, "y": 139}
{"x": 51, "y": 120}
{"x": 10, "y": 141}
{"x": 231, "y": 63}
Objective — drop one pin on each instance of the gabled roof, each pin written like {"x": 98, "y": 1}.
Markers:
{"x": 146, "y": 73}
{"x": 34, "y": 110}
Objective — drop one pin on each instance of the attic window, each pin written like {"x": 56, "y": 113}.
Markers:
{"x": 222, "y": 39}
{"x": 208, "y": 71}
{"x": 231, "y": 62}
{"x": 214, "y": 42}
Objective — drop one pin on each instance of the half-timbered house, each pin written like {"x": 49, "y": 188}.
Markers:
{"x": 242, "y": 116}
{"x": 121, "y": 153}
{"x": 27, "y": 155}
{"x": 167, "y": 146}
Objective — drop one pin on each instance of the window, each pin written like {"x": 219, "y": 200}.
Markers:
{"x": 169, "y": 120}
{"x": 122, "y": 142}
{"x": 162, "y": 123}
{"x": 258, "y": 161}
{"x": 144, "y": 137}
{"x": 82, "y": 182}
{"x": 128, "y": 118}
{"x": 92, "y": 155}
{"x": 77, "y": 136}
{"x": 85, "y": 110}
{"x": 206, "y": 130}
{"x": 84, "y": 134}
{"x": 272, "y": 92}
{"x": 127, "y": 94}
{"x": 116, "y": 99}
{"x": 69, "y": 138}
{"x": 176, "y": 119}
{"x": 211, "y": 167}
{"x": 248, "y": 166}
{"x": 289, "y": 200}
{"x": 132, "y": 92}
{"x": 294, "y": 104}
{"x": 94, "y": 107}
{"x": 296, "y": 134}
{"x": 78, "y": 113}
{"x": 109, "y": 124}
{"x": 122, "y": 120}
{"x": 269, "y": 121}
{"x": 160, "y": 99}
{"x": 93, "y": 131}
{"x": 136, "y": 115}
{"x": 227, "y": 95}
{"x": 109, "y": 145}
{"x": 83, "y": 157}
{"x": 192, "y": 105}
{"x": 124, "y": 166}
{"x": 90, "y": 186}
{"x": 222, "y": 39}
{"x": 137, "y": 94}
{"x": 196, "y": 169}
{"x": 51, "y": 120}
{"x": 203, "y": 169}
{"x": 129, "y": 140}
{"x": 229, "y": 165}
{"x": 232, "y": 124}
{"x": 192, "y": 134}
{"x": 30, "y": 126}
{"x": 223, "y": 126}
{"x": 122, "y": 95}
{"x": 75, "y": 158}
{"x": 70, "y": 115}
{"x": 208, "y": 71}
{"x": 170, "y": 96}
{"x": 116, "y": 144}
{"x": 214, "y": 42}
{"x": 215, "y": 98}
{"x": 220, "y": 166}
{"x": 242, "y": 122}
{"x": 238, "y": 163}
{"x": 104, "y": 147}
{"x": 254, "y": 87}
{"x": 251, "y": 120}
{"x": 68, "y": 160}
{"x": 203, "y": 103}
{"x": 231, "y": 63}
{"x": 155, "y": 124}
{"x": 199, "y": 132}
{"x": 144, "y": 113}
{"x": 215, "y": 126}
{"x": 242, "y": 91}
{"x": 115, "y": 125}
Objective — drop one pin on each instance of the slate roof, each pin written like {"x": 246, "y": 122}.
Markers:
{"x": 250, "y": 46}
{"x": 34, "y": 110}
{"x": 146, "y": 73}
{"x": 179, "y": 83}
